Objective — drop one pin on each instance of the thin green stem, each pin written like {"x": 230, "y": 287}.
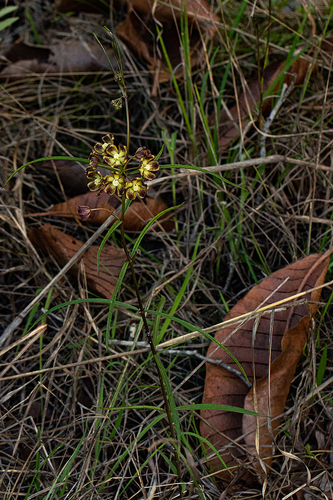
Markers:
{"x": 127, "y": 122}
{"x": 150, "y": 341}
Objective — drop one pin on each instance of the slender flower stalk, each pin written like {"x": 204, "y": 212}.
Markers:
{"x": 120, "y": 183}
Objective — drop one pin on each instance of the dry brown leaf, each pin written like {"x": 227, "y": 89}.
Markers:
{"x": 71, "y": 174}
{"x": 136, "y": 217}
{"x": 136, "y": 31}
{"x": 63, "y": 247}
{"x": 140, "y": 213}
{"x": 61, "y": 57}
{"x": 224, "y": 387}
{"x": 166, "y": 12}
{"x": 271, "y": 393}
{"x": 105, "y": 203}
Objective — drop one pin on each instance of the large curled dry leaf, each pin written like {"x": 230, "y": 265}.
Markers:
{"x": 63, "y": 247}
{"x": 257, "y": 348}
{"x": 270, "y": 395}
{"x": 69, "y": 173}
{"x": 138, "y": 28}
{"x": 136, "y": 217}
{"x": 61, "y": 57}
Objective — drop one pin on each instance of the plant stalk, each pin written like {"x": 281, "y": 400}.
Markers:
{"x": 150, "y": 342}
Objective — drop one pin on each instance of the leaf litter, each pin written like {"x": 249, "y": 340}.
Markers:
{"x": 63, "y": 247}
{"x": 233, "y": 121}
{"x": 268, "y": 348}
{"x": 274, "y": 220}
{"x": 136, "y": 32}
{"x": 73, "y": 56}
{"x": 137, "y": 215}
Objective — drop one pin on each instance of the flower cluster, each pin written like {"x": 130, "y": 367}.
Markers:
{"x": 116, "y": 159}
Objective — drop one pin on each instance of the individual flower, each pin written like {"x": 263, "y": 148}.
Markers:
{"x": 93, "y": 161}
{"x": 148, "y": 165}
{"x": 142, "y": 152}
{"x": 114, "y": 183}
{"x": 97, "y": 178}
{"x": 91, "y": 172}
{"x": 135, "y": 188}
{"x": 84, "y": 212}
{"x": 99, "y": 148}
{"x": 115, "y": 156}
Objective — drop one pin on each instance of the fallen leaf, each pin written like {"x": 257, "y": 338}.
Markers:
{"x": 140, "y": 213}
{"x": 270, "y": 395}
{"x": 71, "y": 174}
{"x": 63, "y": 247}
{"x": 136, "y": 31}
{"x": 60, "y": 57}
{"x": 105, "y": 203}
{"x": 289, "y": 333}
{"x": 136, "y": 217}
{"x": 165, "y": 12}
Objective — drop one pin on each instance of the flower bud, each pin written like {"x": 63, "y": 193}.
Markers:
{"x": 84, "y": 212}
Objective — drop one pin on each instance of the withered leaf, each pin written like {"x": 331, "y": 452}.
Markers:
{"x": 136, "y": 217}
{"x": 271, "y": 393}
{"x": 63, "y": 247}
{"x": 70, "y": 173}
{"x": 60, "y": 57}
{"x": 136, "y": 31}
{"x": 255, "y": 353}
{"x": 105, "y": 203}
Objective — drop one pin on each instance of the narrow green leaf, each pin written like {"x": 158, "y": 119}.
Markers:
{"x": 322, "y": 366}
{"x": 8, "y": 10}
{"x": 70, "y": 158}
{"x": 7, "y": 22}
{"x": 234, "y": 409}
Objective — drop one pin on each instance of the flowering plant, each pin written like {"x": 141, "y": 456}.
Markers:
{"x": 121, "y": 181}
{"x": 116, "y": 159}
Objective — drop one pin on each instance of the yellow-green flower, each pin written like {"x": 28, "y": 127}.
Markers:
{"x": 115, "y": 156}
{"x": 99, "y": 148}
{"x": 97, "y": 178}
{"x": 148, "y": 165}
{"x": 135, "y": 188}
{"x": 114, "y": 183}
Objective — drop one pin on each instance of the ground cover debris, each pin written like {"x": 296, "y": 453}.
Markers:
{"x": 215, "y": 118}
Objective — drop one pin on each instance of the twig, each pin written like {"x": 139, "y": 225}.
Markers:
{"x": 285, "y": 92}
{"x": 240, "y": 164}
{"x": 218, "y": 362}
